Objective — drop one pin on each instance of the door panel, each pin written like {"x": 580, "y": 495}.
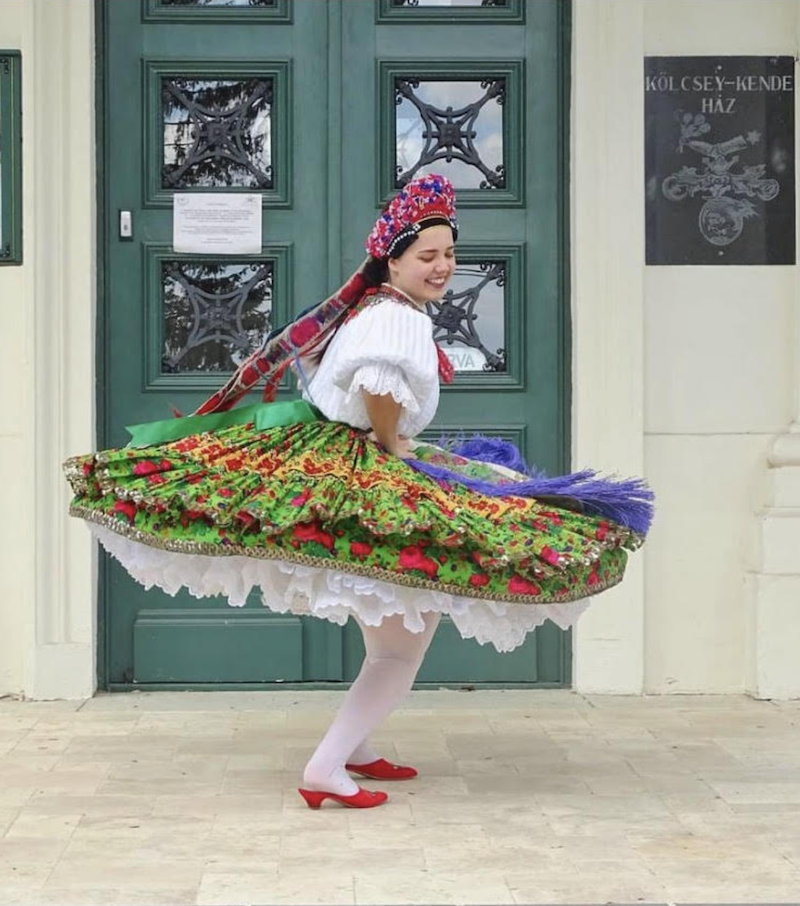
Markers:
{"x": 473, "y": 91}
{"x": 320, "y": 106}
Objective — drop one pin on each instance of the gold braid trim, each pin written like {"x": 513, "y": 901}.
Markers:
{"x": 260, "y": 553}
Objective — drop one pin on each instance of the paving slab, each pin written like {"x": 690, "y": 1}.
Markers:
{"x": 524, "y": 796}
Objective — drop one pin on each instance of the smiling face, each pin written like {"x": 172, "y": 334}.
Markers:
{"x": 426, "y": 267}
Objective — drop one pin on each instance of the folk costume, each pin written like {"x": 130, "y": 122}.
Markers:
{"x": 296, "y": 499}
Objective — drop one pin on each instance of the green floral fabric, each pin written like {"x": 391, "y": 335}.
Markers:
{"x": 323, "y": 494}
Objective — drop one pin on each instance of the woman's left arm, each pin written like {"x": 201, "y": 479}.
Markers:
{"x": 384, "y": 414}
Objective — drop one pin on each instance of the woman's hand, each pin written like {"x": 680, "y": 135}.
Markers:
{"x": 404, "y": 448}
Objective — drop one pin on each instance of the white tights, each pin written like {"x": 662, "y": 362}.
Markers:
{"x": 393, "y": 658}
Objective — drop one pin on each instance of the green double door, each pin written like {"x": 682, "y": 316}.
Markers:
{"x": 323, "y": 108}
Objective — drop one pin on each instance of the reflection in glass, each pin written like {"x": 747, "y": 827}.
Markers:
{"x": 217, "y": 132}
{"x": 214, "y": 315}
{"x": 217, "y": 3}
{"x": 449, "y": 2}
{"x": 469, "y": 322}
{"x": 451, "y": 127}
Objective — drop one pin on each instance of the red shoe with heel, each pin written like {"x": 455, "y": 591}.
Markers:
{"x": 381, "y": 769}
{"x": 362, "y": 799}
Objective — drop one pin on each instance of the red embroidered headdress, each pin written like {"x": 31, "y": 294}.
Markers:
{"x": 425, "y": 199}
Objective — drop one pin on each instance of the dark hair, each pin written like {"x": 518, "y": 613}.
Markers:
{"x": 376, "y": 270}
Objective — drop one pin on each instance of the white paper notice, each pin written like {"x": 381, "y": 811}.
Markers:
{"x": 217, "y": 223}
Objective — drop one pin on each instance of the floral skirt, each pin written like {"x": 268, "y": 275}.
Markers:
{"x": 327, "y": 523}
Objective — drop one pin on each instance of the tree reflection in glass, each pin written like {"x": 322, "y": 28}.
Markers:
{"x": 217, "y": 132}
{"x": 214, "y": 314}
{"x": 217, "y": 2}
{"x": 488, "y": 3}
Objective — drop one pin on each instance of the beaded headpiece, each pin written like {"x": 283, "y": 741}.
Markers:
{"x": 427, "y": 198}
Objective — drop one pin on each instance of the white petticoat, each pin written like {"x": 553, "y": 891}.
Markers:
{"x": 303, "y": 590}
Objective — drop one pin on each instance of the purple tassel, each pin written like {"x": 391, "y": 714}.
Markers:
{"x": 626, "y": 501}
{"x": 488, "y": 449}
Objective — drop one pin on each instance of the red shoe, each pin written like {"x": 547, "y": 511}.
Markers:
{"x": 362, "y": 799}
{"x": 380, "y": 769}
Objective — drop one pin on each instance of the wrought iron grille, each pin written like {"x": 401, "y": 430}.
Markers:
{"x": 457, "y": 317}
{"x": 217, "y": 3}
{"x": 466, "y": 135}
{"x": 214, "y": 315}
{"x": 451, "y": 3}
{"x": 217, "y": 132}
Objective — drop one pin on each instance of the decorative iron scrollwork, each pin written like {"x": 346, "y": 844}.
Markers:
{"x": 449, "y": 134}
{"x": 454, "y": 3}
{"x": 217, "y": 132}
{"x": 454, "y": 317}
{"x": 215, "y": 315}
{"x": 217, "y": 3}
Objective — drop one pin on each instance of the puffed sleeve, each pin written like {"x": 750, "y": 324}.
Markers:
{"x": 388, "y": 349}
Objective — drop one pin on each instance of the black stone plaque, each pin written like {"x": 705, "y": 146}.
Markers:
{"x": 719, "y": 160}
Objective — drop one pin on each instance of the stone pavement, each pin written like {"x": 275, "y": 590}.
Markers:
{"x": 523, "y": 797}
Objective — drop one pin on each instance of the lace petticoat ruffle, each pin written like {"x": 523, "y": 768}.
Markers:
{"x": 330, "y": 595}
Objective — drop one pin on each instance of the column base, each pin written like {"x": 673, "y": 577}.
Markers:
{"x": 773, "y": 643}
{"x": 773, "y": 668}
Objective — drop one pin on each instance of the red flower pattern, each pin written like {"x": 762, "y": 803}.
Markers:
{"x": 310, "y": 531}
{"x": 412, "y": 557}
{"x": 478, "y": 580}
{"x": 549, "y": 555}
{"x": 360, "y": 548}
{"x": 127, "y": 508}
{"x": 519, "y": 586}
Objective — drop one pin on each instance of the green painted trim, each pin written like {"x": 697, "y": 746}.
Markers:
{"x": 333, "y": 137}
{"x": 102, "y": 119}
{"x": 280, "y": 254}
{"x": 388, "y": 14}
{"x": 280, "y": 14}
{"x": 513, "y": 71}
{"x": 324, "y": 643}
{"x": 563, "y": 214}
{"x": 280, "y": 71}
{"x": 314, "y": 686}
{"x": 11, "y": 157}
{"x": 513, "y": 255}
{"x": 564, "y": 13}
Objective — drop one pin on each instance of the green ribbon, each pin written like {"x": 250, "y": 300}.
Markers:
{"x": 263, "y": 415}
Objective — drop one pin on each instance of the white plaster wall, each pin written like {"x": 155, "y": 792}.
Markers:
{"x": 719, "y": 354}
{"x": 16, "y": 361}
{"x": 717, "y": 362}
{"x": 607, "y": 353}
{"x": 47, "y": 565}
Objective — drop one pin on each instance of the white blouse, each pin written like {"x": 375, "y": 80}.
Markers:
{"x": 386, "y": 348}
